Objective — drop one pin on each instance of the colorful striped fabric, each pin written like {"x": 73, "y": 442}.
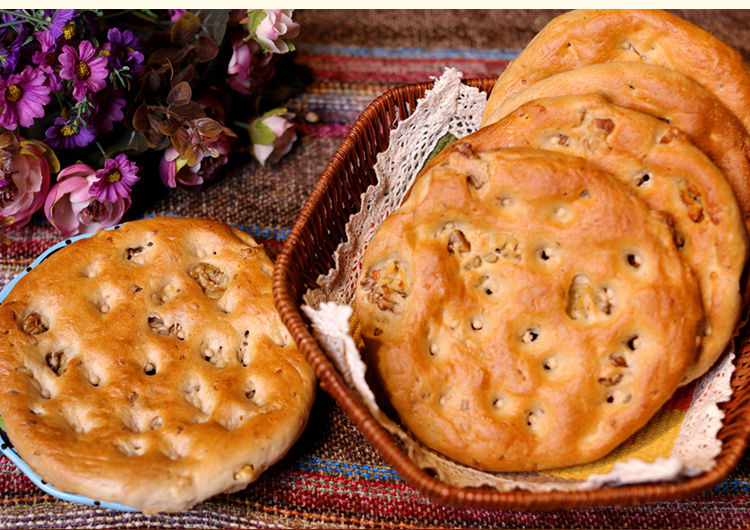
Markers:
{"x": 332, "y": 477}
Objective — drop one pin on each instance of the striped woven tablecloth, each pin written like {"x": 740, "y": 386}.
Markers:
{"x": 332, "y": 477}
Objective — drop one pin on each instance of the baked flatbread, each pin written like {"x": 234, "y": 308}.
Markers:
{"x": 664, "y": 94}
{"x": 583, "y": 37}
{"x": 148, "y": 366}
{"x": 658, "y": 163}
{"x": 513, "y": 310}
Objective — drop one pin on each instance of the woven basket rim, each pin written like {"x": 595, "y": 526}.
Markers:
{"x": 734, "y": 433}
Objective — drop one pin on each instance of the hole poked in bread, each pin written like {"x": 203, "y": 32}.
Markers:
{"x": 158, "y": 326}
{"x": 149, "y": 368}
{"x": 139, "y": 254}
{"x": 212, "y": 350}
{"x": 551, "y": 363}
{"x": 477, "y": 323}
{"x": 530, "y": 335}
{"x": 619, "y": 396}
{"x": 488, "y": 284}
{"x": 534, "y": 419}
{"x": 634, "y": 342}
{"x": 243, "y": 352}
{"x": 643, "y": 179}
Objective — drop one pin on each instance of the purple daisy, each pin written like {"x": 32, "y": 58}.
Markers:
{"x": 115, "y": 180}
{"x": 59, "y": 18}
{"x": 68, "y": 136}
{"x": 22, "y": 98}
{"x": 122, "y": 51}
{"x": 85, "y": 67}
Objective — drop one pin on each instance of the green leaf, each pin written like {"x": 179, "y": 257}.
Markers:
{"x": 214, "y": 22}
{"x": 441, "y": 144}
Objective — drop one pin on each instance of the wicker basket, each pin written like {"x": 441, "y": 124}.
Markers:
{"x": 308, "y": 253}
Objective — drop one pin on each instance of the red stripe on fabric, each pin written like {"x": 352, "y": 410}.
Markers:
{"x": 325, "y": 130}
{"x": 393, "y": 70}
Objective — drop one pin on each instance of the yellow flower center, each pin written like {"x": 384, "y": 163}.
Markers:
{"x": 13, "y": 93}
{"x": 69, "y": 31}
{"x": 114, "y": 176}
{"x": 82, "y": 70}
{"x": 67, "y": 130}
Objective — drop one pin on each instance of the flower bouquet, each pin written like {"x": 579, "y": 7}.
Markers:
{"x": 89, "y": 97}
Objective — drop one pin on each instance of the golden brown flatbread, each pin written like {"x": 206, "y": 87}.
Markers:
{"x": 658, "y": 163}
{"x": 591, "y": 36}
{"x": 664, "y": 94}
{"x": 148, "y": 366}
{"x": 513, "y": 310}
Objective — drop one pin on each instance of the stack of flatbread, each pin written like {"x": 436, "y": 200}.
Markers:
{"x": 550, "y": 280}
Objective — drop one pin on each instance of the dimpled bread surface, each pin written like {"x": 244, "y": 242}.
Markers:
{"x": 148, "y": 366}
{"x": 583, "y": 37}
{"x": 658, "y": 163}
{"x": 664, "y": 94}
{"x": 513, "y": 310}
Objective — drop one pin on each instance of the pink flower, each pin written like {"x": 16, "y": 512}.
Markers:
{"x": 272, "y": 135}
{"x": 175, "y": 172}
{"x": 71, "y": 207}
{"x": 85, "y": 67}
{"x": 249, "y": 67}
{"x": 22, "y": 98}
{"x": 175, "y": 14}
{"x": 115, "y": 180}
{"x": 23, "y": 188}
{"x": 276, "y": 24}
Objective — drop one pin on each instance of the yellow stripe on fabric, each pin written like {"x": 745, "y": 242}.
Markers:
{"x": 654, "y": 440}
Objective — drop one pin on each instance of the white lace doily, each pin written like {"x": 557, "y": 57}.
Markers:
{"x": 452, "y": 107}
